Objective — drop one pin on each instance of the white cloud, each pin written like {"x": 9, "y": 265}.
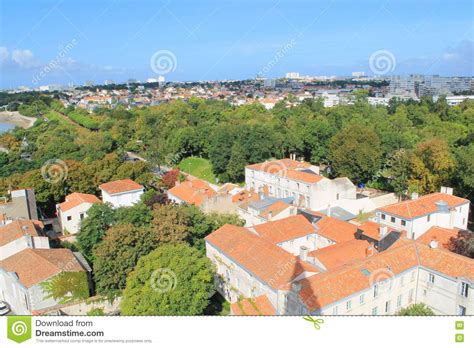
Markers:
{"x": 24, "y": 58}
{"x": 4, "y": 54}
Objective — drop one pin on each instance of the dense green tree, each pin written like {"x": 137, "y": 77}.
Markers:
{"x": 419, "y": 309}
{"x": 99, "y": 218}
{"x": 118, "y": 253}
{"x": 172, "y": 280}
{"x": 355, "y": 152}
{"x": 236, "y": 165}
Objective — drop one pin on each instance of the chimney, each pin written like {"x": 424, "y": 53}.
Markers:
{"x": 449, "y": 190}
{"x": 303, "y": 253}
{"x": 270, "y": 215}
{"x": 434, "y": 244}
{"x": 383, "y": 230}
{"x": 370, "y": 251}
{"x": 414, "y": 195}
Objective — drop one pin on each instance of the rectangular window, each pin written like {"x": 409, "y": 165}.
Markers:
{"x": 337, "y": 196}
{"x": 383, "y": 216}
{"x": 399, "y": 301}
{"x": 349, "y": 305}
{"x": 431, "y": 278}
{"x": 81, "y": 216}
{"x": 392, "y": 219}
{"x": 464, "y": 289}
{"x": 69, "y": 218}
{"x": 374, "y": 311}
{"x": 376, "y": 290}
{"x": 334, "y": 311}
{"x": 404, "y": 223}
{"x": 428, "y": 218}
{"x": 461, "y": 310}
{"x": 361, "y": 299}
{"x": 410, "y": 295}
{"x": 387, "y": 306}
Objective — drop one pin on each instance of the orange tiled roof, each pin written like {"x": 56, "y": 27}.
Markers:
{"x": 327, "y": 287}
{"x": 285, "y": 229}
{"x": 253, "y": 306}
{"x": 193, "y": 191}
{"x": 120, "y": 186}
{"x": 274, "y": 209}
{"x": 19, "y": 228}
{"x": 441, "y": 235}
{"x": 372, "y": 229}
{"x": 33, "y": 266}
{"x": 287, "y": 168}
{"x": 266, "y": 261}
{"x": 422, "y": 206}
{"x": 245, "y": 196}
{"x": 334, "y": 229}
{"x": 303, "y": 176}
{"x": 276, "y": 166}
{"x": 76, "y": 198}
{"x": 340, "y": 254}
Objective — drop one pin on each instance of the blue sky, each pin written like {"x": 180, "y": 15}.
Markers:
{"x": 46, "y": 41}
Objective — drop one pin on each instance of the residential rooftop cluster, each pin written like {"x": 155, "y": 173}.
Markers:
{"x": 332, "y": 90}
{"x": 303, "y": 249}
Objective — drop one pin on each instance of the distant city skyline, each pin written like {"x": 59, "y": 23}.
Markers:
{"x": 56, "y": 42}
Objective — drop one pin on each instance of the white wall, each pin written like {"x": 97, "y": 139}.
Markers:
{"x": 416, "y": 227}
{"x": 237, "y": 281}
{"x": 14, "y": 293}
{"x": 126, "y": 199}
{"x": 73, "y": 225}
{"x": 22, "y": 243}
{"x": 315, "y": 196}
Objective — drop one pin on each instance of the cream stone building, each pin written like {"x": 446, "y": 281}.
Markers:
{"x": 259, "y": 267}
{"x": 416, "y": 216}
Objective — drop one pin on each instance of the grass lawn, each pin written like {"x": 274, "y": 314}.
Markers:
{"x": 198, "y": 167}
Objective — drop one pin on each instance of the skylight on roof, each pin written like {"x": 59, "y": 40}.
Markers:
{"x": 365, "y": 272}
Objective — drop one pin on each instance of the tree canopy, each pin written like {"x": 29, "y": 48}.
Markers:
{"x": 172, "y": 280}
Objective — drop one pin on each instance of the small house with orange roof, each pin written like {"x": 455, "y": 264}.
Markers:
{"x": 418, "y": 215}
{"x": 23, "y": 276}
{"x": 191, "y": 191}
{"x": 121, "y": 193}
{"x": 21, "y": 234}
{"x": 73, "y": 210}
